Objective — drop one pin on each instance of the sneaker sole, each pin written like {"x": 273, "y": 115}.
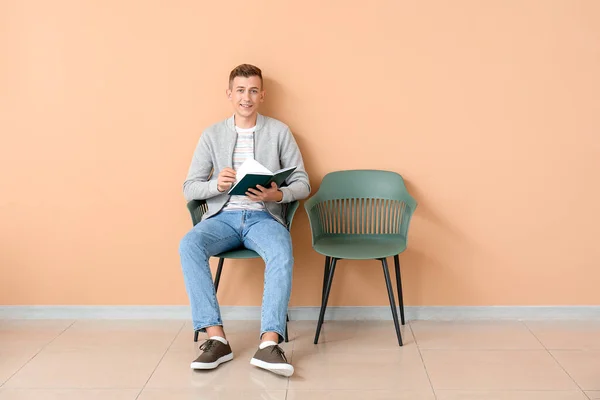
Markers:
{"x": 279, "y": 369}
{"x": 212, "y": 365}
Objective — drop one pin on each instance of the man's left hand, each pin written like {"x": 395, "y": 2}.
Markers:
{"x": 265, "y": 194}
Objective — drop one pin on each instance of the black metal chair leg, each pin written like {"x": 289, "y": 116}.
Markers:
{"x": 325, "y": 276}
{"x": 196, "y": 335}
{"x": 324, "y": 304}
{"x": 287, "y": 337}
{"x": 399, "y": 287}
{"x": 388, "y": 283}
{"x": 218, "y": 274}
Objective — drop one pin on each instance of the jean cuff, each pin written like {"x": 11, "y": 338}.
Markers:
{"x": 281, "y": 335}
{"x": 204, "y": 326}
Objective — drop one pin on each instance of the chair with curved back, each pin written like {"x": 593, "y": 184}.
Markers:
{"x": 197, "y": 208}
{"x": 361, "y": 215}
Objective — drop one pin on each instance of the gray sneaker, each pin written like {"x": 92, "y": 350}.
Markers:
{"x": 213, "y": 354}
{"x": 272, "y": 358}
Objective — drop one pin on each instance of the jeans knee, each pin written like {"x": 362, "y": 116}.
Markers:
{"x": 185, "y": 244}
{"x": 191, "y": 243}
{"x": 284, "y": 258}
{"x": 289, "y": 260}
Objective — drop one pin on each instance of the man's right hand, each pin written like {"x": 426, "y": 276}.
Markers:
{"x": 225, "y": 179}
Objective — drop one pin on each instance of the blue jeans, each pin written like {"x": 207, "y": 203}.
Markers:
{"x": 255, "y": 230}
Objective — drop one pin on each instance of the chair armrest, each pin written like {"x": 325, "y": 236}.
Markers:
{"x": 197, "y": 208}
{"x": 314, "y": 217}
{"x": 410, "y": 207}
{"x": 290, "y": 211}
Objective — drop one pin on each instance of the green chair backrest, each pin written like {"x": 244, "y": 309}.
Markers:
{"x": 360, "y": 202}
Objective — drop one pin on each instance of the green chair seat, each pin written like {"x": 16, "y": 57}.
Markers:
{"x": 360, "y": 247}
{"x": 239, "y": 254}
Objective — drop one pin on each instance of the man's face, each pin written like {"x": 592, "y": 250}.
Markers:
{"x": 246, "y": 94}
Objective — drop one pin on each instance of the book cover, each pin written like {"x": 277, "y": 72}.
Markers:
{"x": 252, "y": 173}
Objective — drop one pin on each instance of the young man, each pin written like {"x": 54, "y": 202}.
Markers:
{"x": 255, "y": 221}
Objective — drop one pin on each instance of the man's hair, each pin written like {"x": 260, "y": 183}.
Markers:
{"x": 245, "y": 70}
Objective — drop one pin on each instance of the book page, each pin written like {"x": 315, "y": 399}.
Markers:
{"x": 282, "y": 170}
{"x": 251, "y": 166}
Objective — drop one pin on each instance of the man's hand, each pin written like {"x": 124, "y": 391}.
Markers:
{"x": 264, "y": 194}
{"x": 225, "y": 179}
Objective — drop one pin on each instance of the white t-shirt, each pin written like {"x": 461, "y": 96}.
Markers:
{"x": 244, "y": 149}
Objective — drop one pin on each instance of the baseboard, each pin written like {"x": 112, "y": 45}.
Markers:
{"x": 442, "y": 313}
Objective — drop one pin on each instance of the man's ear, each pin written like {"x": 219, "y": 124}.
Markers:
{"x": 228, "y": 93}
{"x": 262, "y": 96}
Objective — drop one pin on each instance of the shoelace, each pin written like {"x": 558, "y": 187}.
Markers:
{"x": 206, "y": 346}
{"x": 279, "y": 352}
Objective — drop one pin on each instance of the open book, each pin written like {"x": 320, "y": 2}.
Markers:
{"x": 252, "y": 173}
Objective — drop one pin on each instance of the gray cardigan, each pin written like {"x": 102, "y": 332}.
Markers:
{"x": 274, "y": 147}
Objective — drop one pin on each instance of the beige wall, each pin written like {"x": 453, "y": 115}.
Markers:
{"x": 489, "y": 109}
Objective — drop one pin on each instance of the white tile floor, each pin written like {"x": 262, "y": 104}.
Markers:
{"x": 149, "y": 360}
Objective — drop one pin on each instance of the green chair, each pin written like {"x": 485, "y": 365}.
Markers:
{"x": 197, "y": 208}
{"x": 361, "y": 215}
